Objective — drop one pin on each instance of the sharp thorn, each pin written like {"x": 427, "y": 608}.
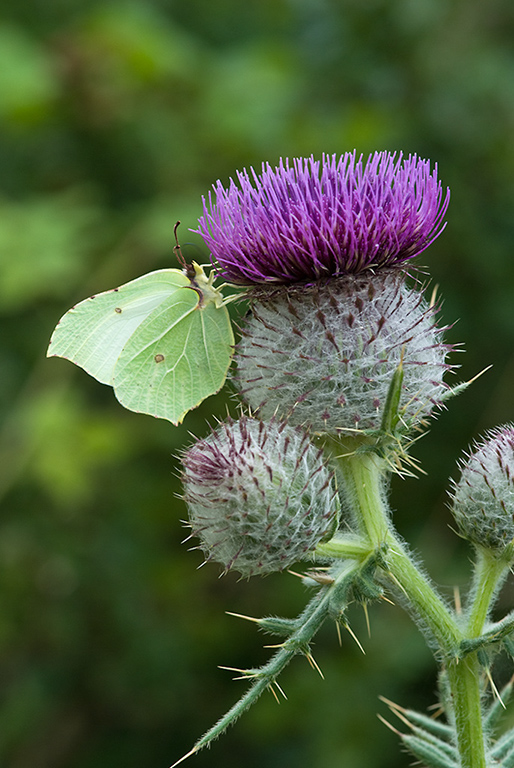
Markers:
{"x": 319, "y": 577}
{"x": 397, "y": 583}
{"x": 391, "y": 704}
{"x": 391, "y": 727}
{"x": 457, "y": 601}
{"x": 242, "y": 616}
{"x": 280, "y": 689}
{"x": 189, "y": 754}
{"x": 338, "y": 630}
{"x": 245, "y": 673}
{"x": 352, "y": 633}
{"x": 404, "y": 720}
{"x": 314, "y": 665}
{"x": 366, "y": 614}
{"x": 383, "y": 597}
{"x": 270, "y": 688}
{"x": 433, "y": 298}
{"x": 494, "y": 689}
{"x": 479, "y": 374}
{"x": 293, "y": 573}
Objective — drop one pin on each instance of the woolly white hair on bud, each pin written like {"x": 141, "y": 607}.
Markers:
{"x": 324, "y": 355}
{"x": 483, "y": 498}
{"x": 260, "y": 496}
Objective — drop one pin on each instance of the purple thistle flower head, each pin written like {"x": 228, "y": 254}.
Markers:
{"x": 306, "y": 219}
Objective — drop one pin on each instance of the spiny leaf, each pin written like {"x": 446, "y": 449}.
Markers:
{"x": 497, "y": 706}
{"x": 307, "y": 624}
{"x": 497, "y": 632}
{"x": 503, "y": 747}
{"x": 417, "y": 719}
{"x": 458, "y": 388}
{"x": 431, "y": 755}
{"x": 391, "y": 415}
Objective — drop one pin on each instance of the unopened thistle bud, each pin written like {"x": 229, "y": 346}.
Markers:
{"x": 260, "y": 496}
{"x": 323, "y": 356}
{"x": 483, "y": 498}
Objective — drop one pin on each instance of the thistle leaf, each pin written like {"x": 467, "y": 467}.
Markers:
{"x": 497, "y": 706}
{"x": 432, "y": 756}
{"x": 500, "y": 631}
{"x": 391, "y": 416}
{"x": 307, "y": 624}
{"x": 504, "y": 746}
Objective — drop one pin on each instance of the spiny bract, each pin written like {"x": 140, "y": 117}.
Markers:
{"x": 324, "y": 356}
{"x": 260, "y": 496}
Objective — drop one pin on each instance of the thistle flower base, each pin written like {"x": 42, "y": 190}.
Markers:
{"x": 324, "y": 356}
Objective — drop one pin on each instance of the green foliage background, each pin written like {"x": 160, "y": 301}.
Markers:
{"x": 115, "y": 118}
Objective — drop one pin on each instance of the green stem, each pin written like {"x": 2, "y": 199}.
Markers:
{"x": 464, "y": 679}
{"x": 490, "y": 571}
{"x": 464, "y": 675}
{"x": 363, "y": 472}
{"x": 423, "y": 598}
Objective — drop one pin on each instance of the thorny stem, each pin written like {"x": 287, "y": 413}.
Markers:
{"x": 363, "y": 473}
{"x": 464, "y": 675}
{"x": 314, "y": 615}
{"x": 363, "y": 476}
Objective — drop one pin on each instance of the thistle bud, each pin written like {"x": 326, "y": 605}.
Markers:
{"x": 260, "y": 496}
{"x": 323, "y": 356}
{"x": 483, "y": 498}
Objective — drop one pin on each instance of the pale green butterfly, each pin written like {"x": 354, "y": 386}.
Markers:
{"x": 163, "y": 341}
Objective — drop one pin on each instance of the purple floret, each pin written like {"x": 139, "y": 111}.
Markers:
{"x": 306, "y": 219}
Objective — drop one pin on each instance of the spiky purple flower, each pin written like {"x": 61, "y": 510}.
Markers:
{"x": 306, "y": 219}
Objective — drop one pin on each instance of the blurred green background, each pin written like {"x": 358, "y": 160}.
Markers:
{"x": 115, "y": 118}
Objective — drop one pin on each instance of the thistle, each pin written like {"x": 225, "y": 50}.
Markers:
{"x": 338, "y": 348}
{"x": 260, "y": 497}
{"x": 483, "y": 498}
{"x": 324, "y": 355}
{"x": 306, "y": 220}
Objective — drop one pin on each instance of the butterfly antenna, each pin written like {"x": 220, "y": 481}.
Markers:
{"x": 176, "y": 250}
{"x": 187, "y": 268}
